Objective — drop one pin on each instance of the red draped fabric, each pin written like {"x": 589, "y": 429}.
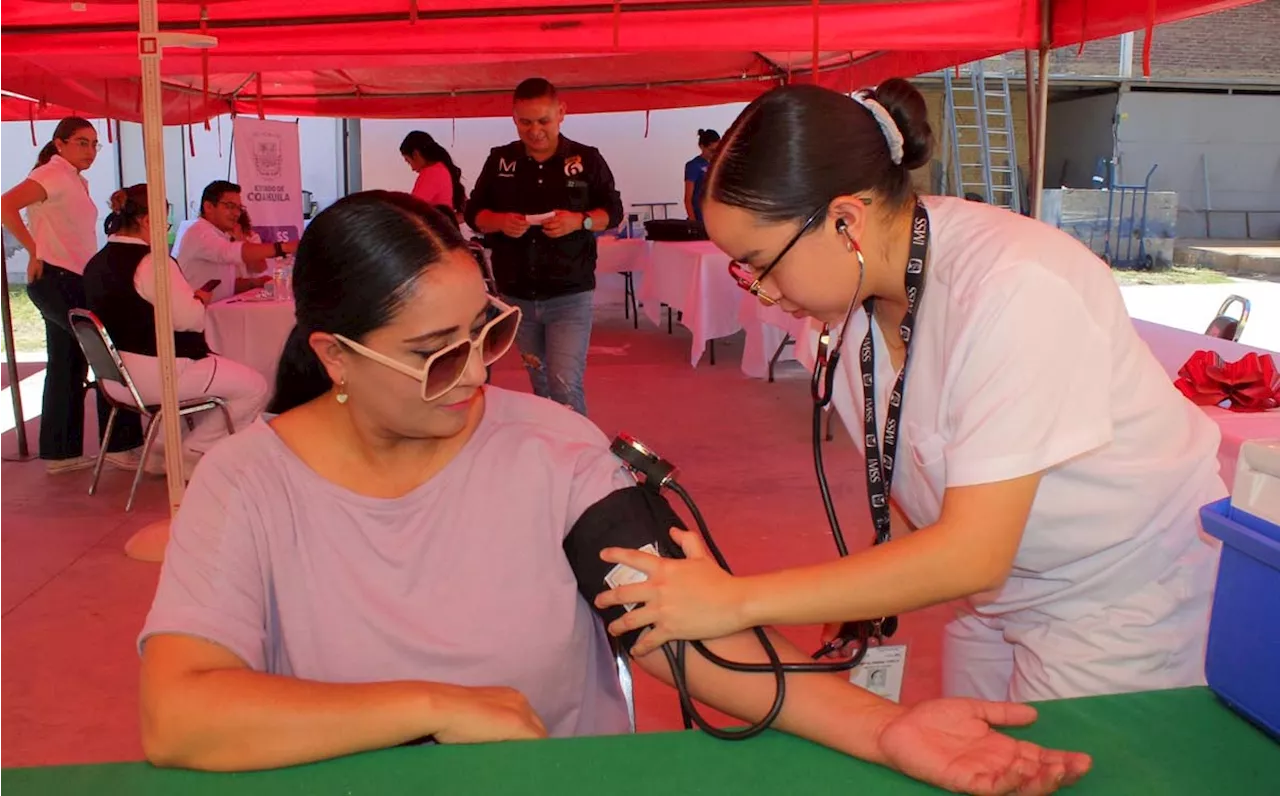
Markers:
{"x": 449, "y": 58}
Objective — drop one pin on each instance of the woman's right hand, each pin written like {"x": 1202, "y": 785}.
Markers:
{"x": 484, "y": 714}
{"x": 35, "y": 268}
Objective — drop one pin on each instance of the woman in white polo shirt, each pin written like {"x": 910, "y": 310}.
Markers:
{"x": 61, "y": 237}
{"x": 1037, "y": 465}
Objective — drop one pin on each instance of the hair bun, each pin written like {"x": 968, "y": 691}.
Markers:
{"x": 118, "y": 200}
{"x": 910, "y": 112}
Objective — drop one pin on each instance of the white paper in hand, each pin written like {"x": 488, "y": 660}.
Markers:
{"x": 539, "y": 218}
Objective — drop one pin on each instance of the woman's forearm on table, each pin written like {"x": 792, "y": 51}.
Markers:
{"x": 823, "y": 708}
{"x": 924, "y": 568}
{"x": 240, "y": 720}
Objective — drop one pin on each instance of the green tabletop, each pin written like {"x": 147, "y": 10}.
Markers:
{"x": 1158, "y": 743}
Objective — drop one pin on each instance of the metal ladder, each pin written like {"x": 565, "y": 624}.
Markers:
{"x": 981, "y": 147}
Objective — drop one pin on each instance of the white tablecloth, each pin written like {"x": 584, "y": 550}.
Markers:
{"x": 1173, "y": 347}
{"x": 250, "y": 332}
{"x": 621, "y": 254}
{"x": 766, "y": 328}
{"x": 692, "y": 277}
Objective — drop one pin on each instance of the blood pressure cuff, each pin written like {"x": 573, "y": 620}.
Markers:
{"x": 635, "y": 518}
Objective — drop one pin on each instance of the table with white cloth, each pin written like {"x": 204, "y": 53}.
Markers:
{"x": 250, "y": 330}
{"x": 767, "y": 330}
{"x": 693, "y": 278}
{"x": 1173, "y": 347}
{"x": 626, "y": 256}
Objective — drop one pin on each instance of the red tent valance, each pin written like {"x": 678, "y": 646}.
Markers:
{"x": 412, "y": 58}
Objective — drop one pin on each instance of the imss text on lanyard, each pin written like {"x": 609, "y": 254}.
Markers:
{"x": 879, "y": 464}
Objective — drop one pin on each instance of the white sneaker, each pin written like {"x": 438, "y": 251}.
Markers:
{"x": 155, "y": 466}
{"x": 72, "y": 465}
{"x": 126, "y": 460}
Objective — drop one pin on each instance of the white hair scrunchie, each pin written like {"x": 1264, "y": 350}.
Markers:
{"x": 892, "y": 135}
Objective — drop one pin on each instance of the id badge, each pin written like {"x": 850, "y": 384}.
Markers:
{"x": 881, "y": 671}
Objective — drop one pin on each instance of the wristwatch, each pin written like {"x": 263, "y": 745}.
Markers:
{"x": 587, "y": 223}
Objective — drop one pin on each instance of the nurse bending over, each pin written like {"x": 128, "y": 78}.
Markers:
{"x": 1012, "y": 415}
{"x": 383, "y": 562}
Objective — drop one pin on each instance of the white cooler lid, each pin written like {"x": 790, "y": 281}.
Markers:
{"x": 1257, "y": 484}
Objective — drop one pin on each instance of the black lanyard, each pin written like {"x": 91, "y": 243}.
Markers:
{"x": 880, "y": 467}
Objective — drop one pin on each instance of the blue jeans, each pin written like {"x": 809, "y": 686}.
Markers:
{"x": 553, "y": 339}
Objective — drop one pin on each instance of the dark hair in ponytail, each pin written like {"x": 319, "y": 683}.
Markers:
{"x": 431, "y": 151}
{"x": 128, "y": 207}
{"x": 707, "y": 137}
{"x": 798, "y": 147}
{"x": 63, "y": 132}
{"x": 356, "y": 264}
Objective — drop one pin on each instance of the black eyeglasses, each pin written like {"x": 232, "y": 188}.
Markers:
{"x": 741, "y": 272}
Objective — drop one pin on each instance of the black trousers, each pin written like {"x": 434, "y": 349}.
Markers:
{"x": 55, "y": 293}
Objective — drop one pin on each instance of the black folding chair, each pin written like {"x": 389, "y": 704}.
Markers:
{"x": 107, "y": 366}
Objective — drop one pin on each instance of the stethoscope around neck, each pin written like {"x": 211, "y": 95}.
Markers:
{"x": 821, "y": 389}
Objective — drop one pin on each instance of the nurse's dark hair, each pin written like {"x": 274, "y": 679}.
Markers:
{"x": 128, "y": 208}
{"x": 798, "y": 147}
{"x": 356, "y": 265}
{"x": 66, "y": 128}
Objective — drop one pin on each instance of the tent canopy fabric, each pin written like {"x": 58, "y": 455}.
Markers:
{"x": 449, "y": 58}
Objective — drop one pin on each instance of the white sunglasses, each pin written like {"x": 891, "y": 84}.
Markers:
{"x": 444, "y": 369}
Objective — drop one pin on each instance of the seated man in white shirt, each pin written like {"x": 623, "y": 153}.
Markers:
{"x": 207, "y": 252}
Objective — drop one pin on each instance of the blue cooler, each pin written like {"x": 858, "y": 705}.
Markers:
{"x": 1243, "y": 661}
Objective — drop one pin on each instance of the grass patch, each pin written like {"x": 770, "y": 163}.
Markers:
{"x": 1177, "y": 275}
{"x": 28, "y": 325}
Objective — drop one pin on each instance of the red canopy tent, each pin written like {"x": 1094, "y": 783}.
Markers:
{"x": 417, "y": 58}
{"x": 442, "y": 58}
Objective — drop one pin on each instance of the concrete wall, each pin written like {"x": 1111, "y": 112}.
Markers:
{"x": 1236, "y": 44}
{"x": 1080, "y": 132}
{"x": 1238, "y": 136}
{"x": 1098, "y": 218}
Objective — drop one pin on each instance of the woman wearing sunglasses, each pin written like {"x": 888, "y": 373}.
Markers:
{"x": 1028, "y": 452}
{"x": 383, "y": 561}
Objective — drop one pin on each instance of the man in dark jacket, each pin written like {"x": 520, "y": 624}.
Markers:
{"x": 540, "y": 202}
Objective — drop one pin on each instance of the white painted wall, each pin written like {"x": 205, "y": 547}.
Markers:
{"x": 646, "y": 169}
{"x": 1239, "y": 134}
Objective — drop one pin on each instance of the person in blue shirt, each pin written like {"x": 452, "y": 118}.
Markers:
{"x": 695, "y": 171}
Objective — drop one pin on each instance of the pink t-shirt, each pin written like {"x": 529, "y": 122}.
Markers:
{"x": 434, "y": 185}
{"x": 463, "y": 580}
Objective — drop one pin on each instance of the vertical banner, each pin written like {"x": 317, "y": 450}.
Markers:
{"x": 269, "y": 172}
